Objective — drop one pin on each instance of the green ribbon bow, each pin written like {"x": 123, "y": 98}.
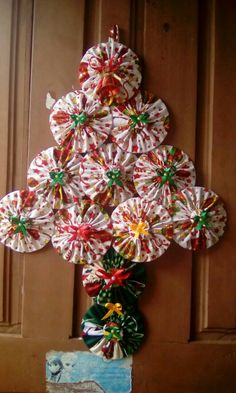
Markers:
{"x": 202, "y": 220}
{"x": 78, "y": 119}
{"x": 167, "y": 175}
{"x": 143, "y": 118}
{"x": 20, "y": 225}
{"x": 112, "y": 332}
{"x": 57, "y": 178}
{"x": 114, "y": 177}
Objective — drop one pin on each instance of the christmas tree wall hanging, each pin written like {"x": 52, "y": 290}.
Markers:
{"x": 110, "y": 196}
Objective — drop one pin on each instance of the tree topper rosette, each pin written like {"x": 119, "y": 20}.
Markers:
{"x": 107, "y": 175}
{"x": 140, "y": 124}
{"x": 26, "y": 221}
{"x": 110, "y": 72}
{"x": 114, "y": 279}
{"x": 112, "y": 332}
{"x": 79, "y": 122}
{"x": 199, "y": 218}
{"x": 162, "y": 172}
{"x": 83, "y": 233}
{"x": 142, "y": 229}
{"x": 54, "y": 174}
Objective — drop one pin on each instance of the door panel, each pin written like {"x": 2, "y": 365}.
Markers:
{"x": 188, "y": 57}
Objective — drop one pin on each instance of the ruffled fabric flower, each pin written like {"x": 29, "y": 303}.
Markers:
{"x": 142, "y": 229}
{"x": 26, "y": 221}
{"x": 140, "y": 125}
{"x": 107, "y": 175}
{"x": 110, "y": 72}
{"x": 111, "y": 332}
{"x": 83, "y": 233}
{"x": 54, "y": 173}
{"x": 79, "y": 122}
{"x": 115, "y": 279}
{"x": 162, "y": 172}
{"x": 199, "y": 218}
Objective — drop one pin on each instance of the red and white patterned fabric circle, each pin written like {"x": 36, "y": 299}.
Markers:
{"x": 142, "y": 229}
{"x": 140, "y": 126}
{"x": 26, "y": 221}
{"x": 54, "y": 173}
{"x": 110, "y": 72}
{"x": 162, "y": 172}
{"x": 83, "y": 233}
{"x": 107, "y": 175}
{"x": 199, "y": 218}
{"x": 79, "y": 122}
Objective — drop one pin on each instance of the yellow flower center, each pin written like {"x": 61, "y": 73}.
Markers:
{"x": 139, "y": 228}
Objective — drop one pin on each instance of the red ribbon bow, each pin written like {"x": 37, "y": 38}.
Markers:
{"x": 117, "y": 276}
{"x": 86, "y": 232}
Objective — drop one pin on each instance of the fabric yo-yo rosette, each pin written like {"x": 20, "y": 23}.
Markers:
{"x": 107, "y": 175}
{"x": 162, "y": 172}
{"x": 199, "y": 218}
{"x": 79, "y": 122}
{"x": 115, "y": 279}
{"x": 26, "y": 221}
{"x": 140, "y": 124}
{"x": 83, "y": 233}
{"x": 54, "y": 173}
{"x": 142, "y": 229}
{"x": 110, "y": 72}
{"x": 111, "y": 332}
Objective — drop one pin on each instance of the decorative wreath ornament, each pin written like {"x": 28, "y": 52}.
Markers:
{"x": 115, "y": 279}
{"x": 54, "y": 174}
{"x": 140, "y": 124}
{"x": 110, "y": 107}
{"x": 111, "y": 332}
{"x": 162, "y": 172}
{"x": 26, "y": 221}
{"x": 107, "y": 175}
{"x": 83, "y": 233}
{"x": 199, "y": 218}
{"x": 79, "y": 122}
{"x": 142, "y": 229}
{"x": 110, "y": 72}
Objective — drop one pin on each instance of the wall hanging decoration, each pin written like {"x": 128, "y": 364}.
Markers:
{"x": 142, "y": 229}
{"x": 107, "y": 175}
{"x": 112, "y": 244}
{"x": 26, "y": 221}
{"x": 114, "y": 279}
{"x": 110, "y": 72}
{"x": 83, "y": 233}
{"x": 54, "y": 173}
{"x": 199, "y": 218}
{"x": 162, "y": 172}
{"x": 79, "y": 122}
{"x": 111, "y": 331}
{"x": 140, "y": 124}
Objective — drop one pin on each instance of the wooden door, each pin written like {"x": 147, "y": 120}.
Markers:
{"x": 188, "y": 52}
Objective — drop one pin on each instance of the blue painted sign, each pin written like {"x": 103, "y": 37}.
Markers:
{"x": 84, "y": 371}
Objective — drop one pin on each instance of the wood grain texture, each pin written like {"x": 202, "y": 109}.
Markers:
{"x": 188, "y": 53}
{"x": 215, "y": 274}
{"x": 57, "y": 47}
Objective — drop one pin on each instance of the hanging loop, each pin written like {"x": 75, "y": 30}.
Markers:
{"x": 114, "y": 33}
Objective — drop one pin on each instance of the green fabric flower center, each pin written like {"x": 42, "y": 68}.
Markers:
{"x": 114, "y": 177}
{"x": 57, "y": 178}
{"x": 19, "y": 225}
{"x": 166, "y": 176}
{"x": 78, "y": 119}
{"x": 112, "y": 333}
{"x": 143, "y": 118}
{"x": 202, "y": 220}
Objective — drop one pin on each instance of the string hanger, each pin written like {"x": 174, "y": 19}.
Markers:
{"x": 114, "y": 33}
